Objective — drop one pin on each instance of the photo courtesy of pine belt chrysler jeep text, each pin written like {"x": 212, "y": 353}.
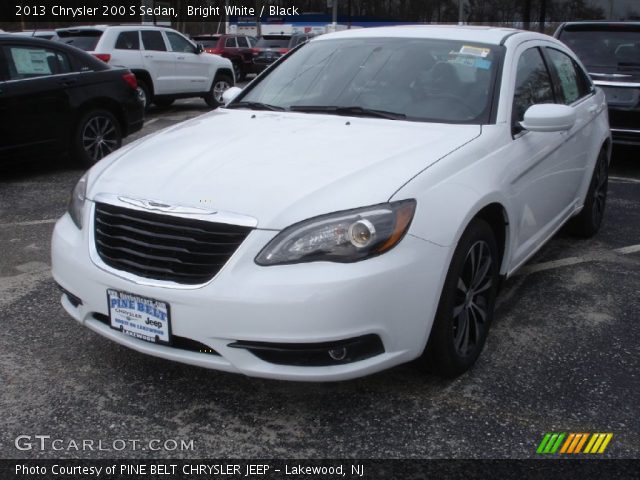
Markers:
{"x": 402, "y": 173}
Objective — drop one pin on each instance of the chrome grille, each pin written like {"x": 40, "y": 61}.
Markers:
{"x": 164, "y": 247}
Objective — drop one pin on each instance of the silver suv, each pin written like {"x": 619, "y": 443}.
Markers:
{"x": 167, "y": 64}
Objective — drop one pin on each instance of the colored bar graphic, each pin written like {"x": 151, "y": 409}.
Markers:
{"x": 551, "y": 442}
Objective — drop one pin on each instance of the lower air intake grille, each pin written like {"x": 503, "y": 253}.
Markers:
{"x": 164, "y": 247}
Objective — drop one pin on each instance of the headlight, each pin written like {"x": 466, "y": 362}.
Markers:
{"x": 346, "y": 236}
{"x": 76, "y": 202}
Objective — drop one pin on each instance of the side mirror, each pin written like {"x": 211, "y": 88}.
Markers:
{"x": 230, "y": 94}
{"x": 199, "y": 48}
{"x": 548, "y": 117}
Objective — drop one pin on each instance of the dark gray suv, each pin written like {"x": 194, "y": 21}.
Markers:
{"x": 611, "y": 53}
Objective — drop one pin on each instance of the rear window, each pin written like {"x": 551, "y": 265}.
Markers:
{"x": 274, "y": 41}
{"x": 612, "y": 46}
{"x": 207, "y": 42}
{"x": 83, "y": 39}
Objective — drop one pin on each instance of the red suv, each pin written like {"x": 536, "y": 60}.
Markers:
{"x": 237, "y": 48}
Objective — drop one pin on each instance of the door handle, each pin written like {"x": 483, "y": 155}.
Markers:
{"x": 594, "y": 109}
{"x": 68, "y": 82}
{"x": 181, "y": 58}
{"x": 148, "y": 56}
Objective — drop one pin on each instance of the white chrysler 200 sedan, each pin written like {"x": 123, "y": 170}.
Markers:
{"x": 354, "y": 208}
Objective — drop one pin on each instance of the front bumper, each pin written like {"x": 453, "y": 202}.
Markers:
{"x": 393, "y": 297}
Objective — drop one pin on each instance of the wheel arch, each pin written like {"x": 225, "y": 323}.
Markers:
{"x": 104, "y": 103}
{"x": 145, "y": 76}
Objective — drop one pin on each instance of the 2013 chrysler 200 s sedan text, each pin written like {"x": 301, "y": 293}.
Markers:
{"x": 399, "y": 174}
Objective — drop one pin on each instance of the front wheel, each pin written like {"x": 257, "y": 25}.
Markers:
{"x": 220, "y": 84}
{"x": 466, "y": 305}
{"x": 97, "y": 134}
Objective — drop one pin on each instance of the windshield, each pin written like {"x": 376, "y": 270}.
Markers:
{"x": 417, "y": 79}
{"x": 273, "y": 41}
{"x": 612, "y": 47}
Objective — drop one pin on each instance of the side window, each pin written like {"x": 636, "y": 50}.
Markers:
{"x": 230, "y": 42}
{"x": 243, "y": 42}
{"x": 179, "y": 43}
{"x": 30, "y": 62}
{"x": 128, "y": 41}
{"x": 152, "y": 40}
{"x": 572, "y": 85}
{"x": 533, "y": 84}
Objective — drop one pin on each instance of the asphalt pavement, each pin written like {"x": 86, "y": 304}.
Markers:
{"x": 563, "y": 356}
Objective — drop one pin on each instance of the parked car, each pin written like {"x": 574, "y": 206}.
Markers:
{"x": 611, "y": 53}
{"x": 167, "y": 65}
{"x": 55, "y": 99}
{"x": 270, "y": 48}
{"x": 44, "y": 34}
{"x": 403, "y": 172}
{"x": 236, "y": 48}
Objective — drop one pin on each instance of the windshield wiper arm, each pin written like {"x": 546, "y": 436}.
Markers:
{"x": 355, "y": 111}
{"x": 256, "y": 106}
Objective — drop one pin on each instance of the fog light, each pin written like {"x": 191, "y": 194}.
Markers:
{"x": 338, "y": 354}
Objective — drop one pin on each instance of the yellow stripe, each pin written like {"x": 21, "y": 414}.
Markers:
{"x": 594, "y": 437}
{"x": 584, "y": 439}
{"x": 596, "y": 445}
{"x": 606, "y": 442}
{"x": 567, "y": 443}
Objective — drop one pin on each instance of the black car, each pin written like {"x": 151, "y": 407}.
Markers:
{"x": 270, "y": 48}
{"x": 58, "y": 99}
{"x": 611, "y": 53}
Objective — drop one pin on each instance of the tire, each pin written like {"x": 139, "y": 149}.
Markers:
{"x": 163, "y": 102}
{"x": 145, "y": 93}
{"x": 587, "y": 223}
{"x": 97, "y": 134}
{"x": 219, "y": 85}
{"x": 462, "y": 319}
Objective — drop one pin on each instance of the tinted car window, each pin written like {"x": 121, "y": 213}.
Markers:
{"x": 230, "y": 42}
{"x": 604, "y": 46}
{"x": 83, "y": 39}
{"x": 533, "y": 84}
{"x": 128, "y": 41}
{"x": 570, "y": 88}
{"x": 242, "y": 42}
{"x": 30, "y": 62}
{"x": 207, "y": 42}
{"x": 274, "y": 41}
{"x": 152, "y": 40}
{"x": 179, "y": 43}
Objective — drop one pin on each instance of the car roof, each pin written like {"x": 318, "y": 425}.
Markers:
{"x": 111, "y": 27}
{"x": 467, "y": 33}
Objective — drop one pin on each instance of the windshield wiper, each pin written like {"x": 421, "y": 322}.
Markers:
{"x": 256, "y": 106}
{"x": 355, "y": 111}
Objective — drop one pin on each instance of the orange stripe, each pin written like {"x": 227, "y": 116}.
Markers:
{"x": 577, "y": 438}
{"x": 584, "y": 439}
{"x": 567, "y": 443}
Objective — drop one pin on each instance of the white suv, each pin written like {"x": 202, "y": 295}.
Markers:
{"x": 166, "y": 63}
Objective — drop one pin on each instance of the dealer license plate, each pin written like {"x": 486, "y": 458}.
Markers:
{"x": 140, "y": 317}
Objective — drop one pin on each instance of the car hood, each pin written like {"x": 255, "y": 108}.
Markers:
{"x": 278, "y": 167}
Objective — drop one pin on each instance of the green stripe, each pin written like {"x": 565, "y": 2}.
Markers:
{"x": 558, "y": 442}
{"x": 543, "y": 443}
{"x": 550, "y": 443}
